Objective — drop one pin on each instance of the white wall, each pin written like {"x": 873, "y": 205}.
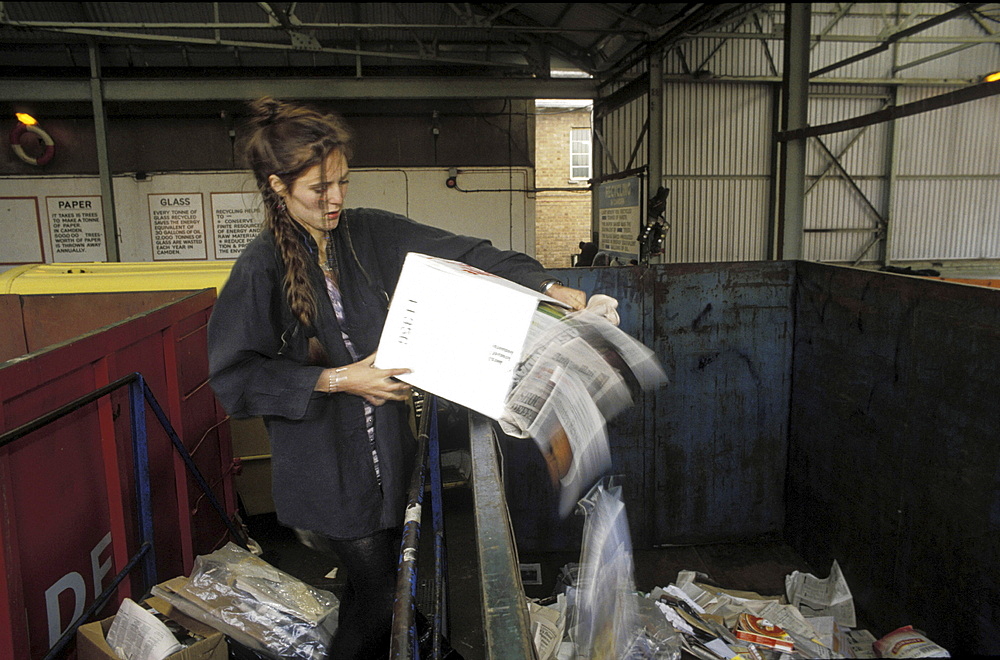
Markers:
{"x": 496, "y": 207}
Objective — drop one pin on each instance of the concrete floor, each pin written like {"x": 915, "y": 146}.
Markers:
{"x": 759, "y": 566}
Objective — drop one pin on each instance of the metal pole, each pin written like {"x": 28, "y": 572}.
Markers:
{"x": 103, "y": 163}
{"x": 654, "y": 117}
{"x": 403, "y": 642}
{"x": 440, "y": 617}
{"x": 597, "y": 170}
{"x": 143, "y": 486}
{"x": 796, "y": 101}
{"x": 891, "y": 157}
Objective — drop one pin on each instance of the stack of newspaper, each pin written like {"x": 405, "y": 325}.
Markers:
{"x": 577, "y": 371}
{"x": 814, "y": 619}
{"x": 609, "y": 619}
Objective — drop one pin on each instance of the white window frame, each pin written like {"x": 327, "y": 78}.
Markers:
{"x": 574, "y": 140}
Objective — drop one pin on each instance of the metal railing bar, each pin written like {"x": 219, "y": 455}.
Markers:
{"x": 439, "y": 627}
{"x": 98, "y": 603}
{"x": 505, "y": 612}
{"x": 403, "y": 641}
{"x": 138, "y": 392}
{"x": 143, "y": 483}
{"x": 76, "y": 404}
{"x": 237, "y": 533}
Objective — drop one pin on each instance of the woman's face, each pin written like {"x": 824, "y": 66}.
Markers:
{"x": 316, "y": 199}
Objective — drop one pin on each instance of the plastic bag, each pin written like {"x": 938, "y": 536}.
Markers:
{"x": 907, "y": 642}
{"x": 256, "y": 604}
{"x": 609, "y": 620}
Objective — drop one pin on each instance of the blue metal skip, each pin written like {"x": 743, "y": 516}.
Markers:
{"x": 703, "y": 460}
{"x": 853, "y": 413}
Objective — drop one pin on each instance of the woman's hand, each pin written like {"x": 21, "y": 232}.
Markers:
{"x": 574, "y": 298}
{"x": 376, "y": 386}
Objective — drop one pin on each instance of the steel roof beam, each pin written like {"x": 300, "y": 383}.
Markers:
{"x": 154, "y": 90}
{"x": 891, "y": 39}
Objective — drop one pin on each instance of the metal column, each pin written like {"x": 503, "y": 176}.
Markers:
{"x": 795, "y": 98}
{"x": 654, "y": 117}
{"x": 103, "y": 163}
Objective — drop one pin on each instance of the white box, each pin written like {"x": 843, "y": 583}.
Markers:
{"x": 459, "y": 329}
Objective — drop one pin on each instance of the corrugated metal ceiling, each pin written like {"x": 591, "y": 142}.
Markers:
{"x": 442, "y": 38}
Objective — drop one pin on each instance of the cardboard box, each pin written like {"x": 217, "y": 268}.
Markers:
{"x": 91, "y": 638}
{"x": 249, "y": 437}
{"x": 459, "y": 329}
{"x": 253, "y": 483}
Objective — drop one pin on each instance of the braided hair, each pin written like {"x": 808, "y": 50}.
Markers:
{"x": 286, "y": 139}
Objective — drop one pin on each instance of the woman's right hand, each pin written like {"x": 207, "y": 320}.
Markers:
{"x": 376, "y": 386}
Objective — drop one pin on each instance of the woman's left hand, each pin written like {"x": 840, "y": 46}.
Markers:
{"x": 573, "y": 298}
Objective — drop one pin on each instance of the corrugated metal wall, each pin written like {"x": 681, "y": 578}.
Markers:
{"x": 755, "y": 50}
{"x": 947, "y": 198}
{"x": 934, "y": 177}
{"x": 842, "y": 210}
{"x": 717, "y": 153}
{"x": 622, "y": 128}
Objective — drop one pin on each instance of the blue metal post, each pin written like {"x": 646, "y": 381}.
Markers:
{"x": 440, "y": 616}
{"x": 143, "y": 486}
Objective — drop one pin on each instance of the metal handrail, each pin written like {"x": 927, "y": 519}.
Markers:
{"x": 404, "y": 642}
{"x": 505, "y": 613}
{"x": 139, "y": 391}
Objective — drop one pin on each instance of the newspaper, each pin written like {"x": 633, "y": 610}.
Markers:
{"x": 136, "y": 634}
{"x": 577, "y": 372}
{"x": 728, "y": 605}
{"x": 816, "y": 597}
{"x": 548, "y": 625}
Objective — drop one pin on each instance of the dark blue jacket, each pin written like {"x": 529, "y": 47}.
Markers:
{"x": 323, "y": 477}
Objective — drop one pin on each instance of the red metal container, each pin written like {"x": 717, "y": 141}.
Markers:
{"x": 67, "y": 490}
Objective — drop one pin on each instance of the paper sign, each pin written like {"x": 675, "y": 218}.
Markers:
{"x": 76, "y": 225}
{"x": 178, "y": 226}
{"x": 237, "y": 221}
{"x": 619, "y": 216}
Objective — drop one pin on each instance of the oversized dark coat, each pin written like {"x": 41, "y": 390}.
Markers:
{"x": 323, "y": 474}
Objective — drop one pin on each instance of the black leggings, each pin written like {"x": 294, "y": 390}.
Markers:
{"x": 365, "y": 620}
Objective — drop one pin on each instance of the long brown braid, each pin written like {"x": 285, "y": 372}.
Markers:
{"x": 285, "y": 139}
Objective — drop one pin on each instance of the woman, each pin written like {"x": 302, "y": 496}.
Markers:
{"x": 292, "y": 339}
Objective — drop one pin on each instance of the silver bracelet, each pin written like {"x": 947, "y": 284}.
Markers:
{"x": 336, "y": 377}
{"x": 548, "y": 284}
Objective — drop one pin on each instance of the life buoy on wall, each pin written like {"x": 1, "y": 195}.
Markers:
{"x": 15, "y": 144}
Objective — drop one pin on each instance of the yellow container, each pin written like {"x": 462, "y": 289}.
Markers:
{"x": 98, "y": 277}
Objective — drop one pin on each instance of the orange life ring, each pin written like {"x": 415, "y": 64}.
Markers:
{"x": 15, "y": 144}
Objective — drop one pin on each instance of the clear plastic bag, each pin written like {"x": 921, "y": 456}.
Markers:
{"x": 610, "y": 621}
{"x": 256, "y": 604}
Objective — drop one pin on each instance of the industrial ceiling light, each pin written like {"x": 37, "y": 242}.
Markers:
{"x": 26, "y": 119}
{"x": 993, "y": 77}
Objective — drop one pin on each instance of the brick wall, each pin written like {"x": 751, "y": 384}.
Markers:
{"x": 562, "y": 218}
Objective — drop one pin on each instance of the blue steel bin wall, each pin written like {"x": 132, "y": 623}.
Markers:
{"x": 703, "y": 459}
{"x": 894, "y": 463}
{"x": 724, "y": 335}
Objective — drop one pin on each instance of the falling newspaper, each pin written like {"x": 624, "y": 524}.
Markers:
{"x": 577, "y": 371}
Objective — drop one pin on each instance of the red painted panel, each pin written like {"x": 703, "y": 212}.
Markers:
{"x": 57, "y": 499}
{"x": 55, "y": 508}
{"x": 12, "y": 342}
